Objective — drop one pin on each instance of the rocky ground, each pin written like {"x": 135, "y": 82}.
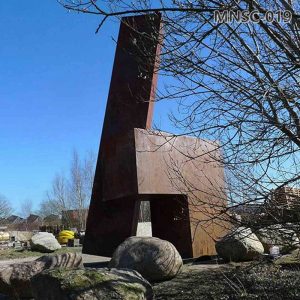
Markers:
{"x": 204, "y": 280}
{"x": 11, "y": 253}
{"x": 256, "y": 280}
{"x": 10, "y": 256}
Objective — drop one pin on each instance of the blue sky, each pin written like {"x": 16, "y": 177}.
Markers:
{"x": 54, "y": 74}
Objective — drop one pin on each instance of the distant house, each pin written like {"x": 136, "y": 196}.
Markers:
{"x": 32, "y": 219}
{"x": 284, "y": 204}
{"x": 247, "y": 209}
{"x": 52, "y": 220}
{"x": 34, "y": 222}
{"x": 13, "y": 222}
{"x": 286, "y": 198}
{"x": 247, "y": 212}
{"x": 13, "y": 219}
{"x": 75, "y": 218}
{"x": 3, "y": 222}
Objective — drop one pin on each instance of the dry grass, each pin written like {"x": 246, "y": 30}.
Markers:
{"x": 14, "y": 254}
{"x": 254, "y": 281}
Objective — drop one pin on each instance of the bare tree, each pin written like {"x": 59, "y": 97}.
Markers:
{"x": 5, "y": 207}
{"x": 235, "y": 82}
{"x": 71, "y": 195}
{"x": 48, "y": 207}
{"x": 25, "y": 211}
{"x": 57, "y": 198}
{"x": 26, "y": 208}
{"x": 88, "y": 170}
{"x": 82, "y": 179}
{"x": 78, "y": 188}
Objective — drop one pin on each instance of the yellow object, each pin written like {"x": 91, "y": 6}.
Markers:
{"x": 67, "y": 232}
{"x": 62, "y": 240}
{"x": 4, "y": 236}
{"x": 65, "y": 235}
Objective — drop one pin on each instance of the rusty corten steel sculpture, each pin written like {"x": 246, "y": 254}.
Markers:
{"x": 135, "y": 164}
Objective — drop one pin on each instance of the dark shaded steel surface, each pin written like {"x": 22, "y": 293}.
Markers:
{"x": 109, "y": 224}
{"x": 129, "y": 105}
{"x": 170, "y": 221}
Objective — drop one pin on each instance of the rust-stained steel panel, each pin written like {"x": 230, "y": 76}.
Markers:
{"x": 129, "y": 105}
{"x": 135, "y": 164}
{"x": 171, "y": 153}
{"x": 165, "y": 166}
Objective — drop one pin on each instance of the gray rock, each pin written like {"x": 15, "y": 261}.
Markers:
{"x": 291, "y": 261}
{"x": 65, "y": 260}
{"x": 286, "y": 239}
{"x": 44, "y": 242}
{"x": 91, "y": 284}
{"x": 239, "y": 245}
{"x": 153, "y": 258}
{"x": 15, "y": 278}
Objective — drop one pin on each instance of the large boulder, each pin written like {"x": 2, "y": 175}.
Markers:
{"x": 277, "y": 235}
{"x": 153, "y": 258}
{"x": 241, "y": 244}
{"x": 44, "y": 242}
{"x": 15, "y": 278}
{"x": 91, "y": 284}
{"x": 291, "y": 260}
